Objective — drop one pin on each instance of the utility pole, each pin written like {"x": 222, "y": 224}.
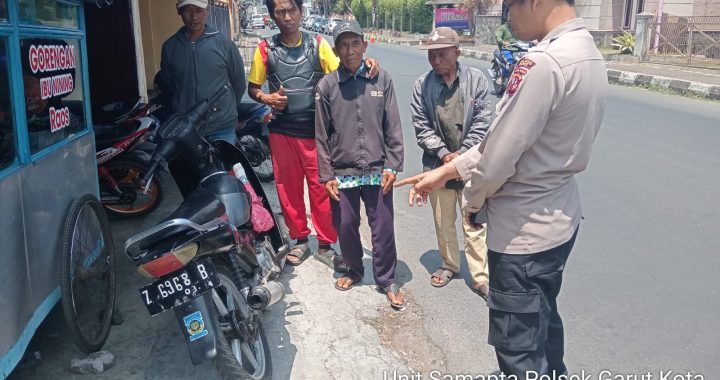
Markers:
{"x": 374, "y": 15}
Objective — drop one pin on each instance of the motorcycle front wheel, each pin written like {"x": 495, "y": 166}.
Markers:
{"x": 259, "y": 155}
{"x": 242, "y": 349}
{"x": 499, "y": 87}
{"x": 128, "y": 172}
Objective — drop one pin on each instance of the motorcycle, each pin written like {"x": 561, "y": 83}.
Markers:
{"x": 503, "y": 64}
{"x": 122, "y": 127}
{"x": 252, "y": 138}
{"x": 207, "y": 261}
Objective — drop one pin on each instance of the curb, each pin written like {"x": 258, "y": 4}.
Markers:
{"x": 625, "y": 78}
{"x": 677, "y": 86}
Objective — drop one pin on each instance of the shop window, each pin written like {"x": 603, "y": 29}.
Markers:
{"x": 7, "y": 133}
{"x": 628, "y": 14}
{"x": 52, "y": 82}
{"x": 3, "y": 11}
{"x": 55, "y": 13}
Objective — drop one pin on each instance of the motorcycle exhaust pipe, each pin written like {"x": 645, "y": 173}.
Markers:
{"x": 266, "y": 295}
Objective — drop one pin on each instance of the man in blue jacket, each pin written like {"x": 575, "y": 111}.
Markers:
{"x": 196, "y": 61}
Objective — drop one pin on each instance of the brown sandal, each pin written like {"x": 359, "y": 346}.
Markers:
{"x": 299, "y": 251}
{"x": 444, "y": 274}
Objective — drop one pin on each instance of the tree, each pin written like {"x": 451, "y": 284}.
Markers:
{"x": 480, "y": 7}
{"x": 359, "y": 9}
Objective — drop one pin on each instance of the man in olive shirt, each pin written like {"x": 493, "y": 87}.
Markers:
{"x": 450, "y": 115}
{"x": 524, "y": 174}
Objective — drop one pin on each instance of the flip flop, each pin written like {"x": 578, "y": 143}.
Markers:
{"x": 299, "y": 251}
{"x": 444, "y": 274}
{"x": 354, "y": 281}
{"x": 393, "y": 288}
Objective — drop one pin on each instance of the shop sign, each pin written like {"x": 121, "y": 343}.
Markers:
{"x": 452, "y": 18}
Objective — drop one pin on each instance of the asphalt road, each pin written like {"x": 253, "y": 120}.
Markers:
{"x": 640, "y": 292}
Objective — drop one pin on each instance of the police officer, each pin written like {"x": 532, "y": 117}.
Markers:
{"x": 523, "y": 175}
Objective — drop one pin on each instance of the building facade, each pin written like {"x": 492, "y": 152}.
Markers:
{"x": 618, "y": 15}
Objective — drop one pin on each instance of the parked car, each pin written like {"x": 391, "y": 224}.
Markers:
{"x": 309, "y": 21}
{"x": 318, "y": 23}
{"x": 330, "y": 25}
{"x": 257, "y": 21}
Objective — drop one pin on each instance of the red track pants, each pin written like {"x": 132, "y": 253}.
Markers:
{"x": 295, "y": 160}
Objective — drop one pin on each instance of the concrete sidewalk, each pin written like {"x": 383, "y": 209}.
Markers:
{"x": 704, "y": 83}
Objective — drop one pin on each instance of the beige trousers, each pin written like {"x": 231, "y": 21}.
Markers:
{"x": 445, "y": 204}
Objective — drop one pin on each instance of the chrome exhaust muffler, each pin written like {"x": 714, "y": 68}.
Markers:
{"x": 263, "y": 296}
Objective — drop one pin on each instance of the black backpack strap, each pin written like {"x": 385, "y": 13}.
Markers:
{"x": 313, "y": 51}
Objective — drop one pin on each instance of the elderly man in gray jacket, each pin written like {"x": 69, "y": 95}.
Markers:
{"x": 450, "y": 115}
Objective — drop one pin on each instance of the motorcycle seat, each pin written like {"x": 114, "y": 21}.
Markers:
{"x": 107, "y": 135}
{"x": 201, "y": 206}
{"x": 116, "y": 112}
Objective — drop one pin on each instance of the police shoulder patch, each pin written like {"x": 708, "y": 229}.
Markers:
{"x": 521, "y": 69}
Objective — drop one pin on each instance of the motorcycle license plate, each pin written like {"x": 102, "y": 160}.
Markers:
{"x": 179, "y": 287}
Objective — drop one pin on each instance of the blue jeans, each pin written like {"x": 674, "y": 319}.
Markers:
{"x": 222, "y": 134}
{"x": 508, "y": 55}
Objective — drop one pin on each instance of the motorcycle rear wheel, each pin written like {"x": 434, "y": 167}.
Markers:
{"x": 237, "y": 358}
{"x": 259, "y": 155}
{"x": 128, "y": 172}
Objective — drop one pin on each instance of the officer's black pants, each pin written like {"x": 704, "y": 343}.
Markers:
{"x": 525, "y": 327}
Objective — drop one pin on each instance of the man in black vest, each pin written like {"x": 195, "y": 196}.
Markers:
{"x": 293, "y": 63}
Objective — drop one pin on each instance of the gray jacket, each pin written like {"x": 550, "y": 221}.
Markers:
{"x": 473, "y": 90}
{"x": 194, "y": 71}
{"x": 357, "y": 125}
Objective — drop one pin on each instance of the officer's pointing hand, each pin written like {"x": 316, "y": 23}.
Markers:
{"x": 425, "y": 183}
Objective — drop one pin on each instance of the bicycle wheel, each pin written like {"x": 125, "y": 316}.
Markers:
{"x": 87, "y": 273}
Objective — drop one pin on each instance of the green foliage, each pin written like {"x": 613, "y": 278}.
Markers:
{"x": 625, "y": 44}
{"x": 362, "y": 12}
{"x": 414, "y": 13}
{"x": 341, "y": 7}
{"x": 421, "y": 16}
